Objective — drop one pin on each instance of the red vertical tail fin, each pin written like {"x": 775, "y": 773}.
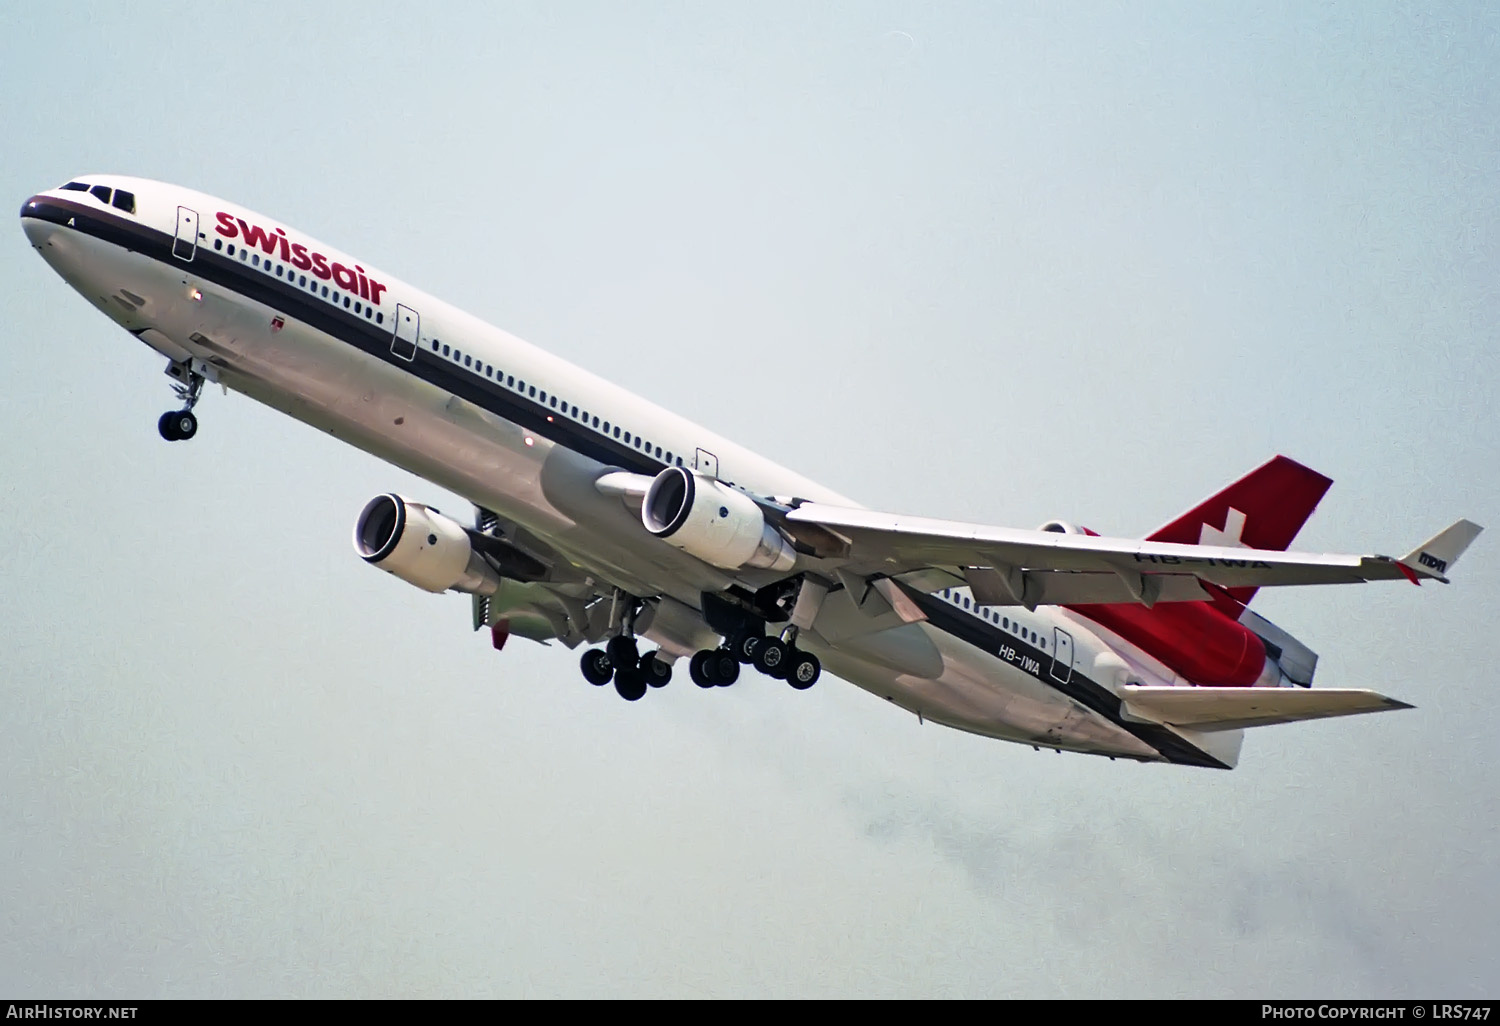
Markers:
{"x": 1262, "y": 510}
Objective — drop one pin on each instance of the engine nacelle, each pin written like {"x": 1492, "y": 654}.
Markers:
{"x": 718, "y": 524}
{"x": 421, "y": 546}
{"x": 1063, "y": 527}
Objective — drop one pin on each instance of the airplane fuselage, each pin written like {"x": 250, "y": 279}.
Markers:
{"x": 331, "y": 340}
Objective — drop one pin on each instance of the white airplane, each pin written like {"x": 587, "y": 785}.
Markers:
{"x": 601, "y": 519}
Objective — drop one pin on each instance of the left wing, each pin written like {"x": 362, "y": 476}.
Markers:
{"x": 1010, "y": 566}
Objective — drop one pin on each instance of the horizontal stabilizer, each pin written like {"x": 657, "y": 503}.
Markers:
{"x": 1208, "y": 709}
{"x": 1436, "y": 556}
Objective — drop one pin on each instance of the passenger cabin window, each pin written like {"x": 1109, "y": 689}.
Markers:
{"x": 125, "y": 201}
{"x": 101, "y": 192}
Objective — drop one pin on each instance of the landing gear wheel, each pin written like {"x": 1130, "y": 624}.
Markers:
{"x": 656, "y": 671}
{"x": 177, "y": 425}
{"x": 724, "y": 667}
{"x": 596, "y": 667}
{"x": 745, "y": 649}
{"x": 772, "y": 657}
{"x": 698, "y": 669}
{"x": 803, "y": 670}
{"x": 630, "y": 684}
{"x": 622, "y": 652}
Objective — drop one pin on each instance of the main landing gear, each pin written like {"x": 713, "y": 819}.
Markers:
{"x": 620, "y": 659}
{"x": 180, "y": 425}
{"x": 780, "y": 659}
{"x": 633, "y": 674}
{"x": 745, "y": 644}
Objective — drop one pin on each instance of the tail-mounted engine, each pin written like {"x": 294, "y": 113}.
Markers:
{"x": 422, "y": 547}
{"x": 1063, "y": 527}
{"x": 720, "y": 525}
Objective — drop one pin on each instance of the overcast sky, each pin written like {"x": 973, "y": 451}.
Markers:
{"x": 1000, "y": 262}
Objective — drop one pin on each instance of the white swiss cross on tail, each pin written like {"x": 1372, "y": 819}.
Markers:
{"x": 1234, "y": 528}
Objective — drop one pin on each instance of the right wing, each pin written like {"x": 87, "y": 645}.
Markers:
{"x": 1019, "y": 567}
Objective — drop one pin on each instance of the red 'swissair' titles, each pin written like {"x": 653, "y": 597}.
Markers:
{"x": 275, "y": 243}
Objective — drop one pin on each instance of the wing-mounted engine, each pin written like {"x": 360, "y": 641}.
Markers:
{"x": 720, "y": 525}
{"x": 436, "y": 553}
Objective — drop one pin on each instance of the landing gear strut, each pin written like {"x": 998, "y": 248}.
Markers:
{"x": 180, "y": 425}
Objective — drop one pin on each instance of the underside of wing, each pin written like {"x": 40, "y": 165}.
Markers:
{"x": 1013, "y": 566}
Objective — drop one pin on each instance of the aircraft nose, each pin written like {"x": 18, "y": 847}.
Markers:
{"x": 32, "y": 223}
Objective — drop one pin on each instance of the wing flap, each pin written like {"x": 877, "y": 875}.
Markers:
{"x": 1210, "y": 709}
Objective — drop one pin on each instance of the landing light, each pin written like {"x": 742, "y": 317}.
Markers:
{"x": 530, "y": 440}
{"x": 196, "y": 296}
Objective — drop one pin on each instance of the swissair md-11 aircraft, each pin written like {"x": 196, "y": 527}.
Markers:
{"x": 602, "y": 520}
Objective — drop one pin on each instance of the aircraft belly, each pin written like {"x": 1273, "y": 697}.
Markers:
{"x": 976, "y": 692}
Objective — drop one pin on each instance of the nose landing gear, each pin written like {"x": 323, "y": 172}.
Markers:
{"x": 180, "y": 425}
{"x": 177, "y": 425}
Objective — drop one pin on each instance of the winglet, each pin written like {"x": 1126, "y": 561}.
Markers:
{"x": 1434, "y": 557}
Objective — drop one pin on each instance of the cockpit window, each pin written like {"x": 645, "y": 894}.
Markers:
{"x": 124, "y": 201}
{"x": 76, "y": 187}
{"x": 101, "y": 191}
